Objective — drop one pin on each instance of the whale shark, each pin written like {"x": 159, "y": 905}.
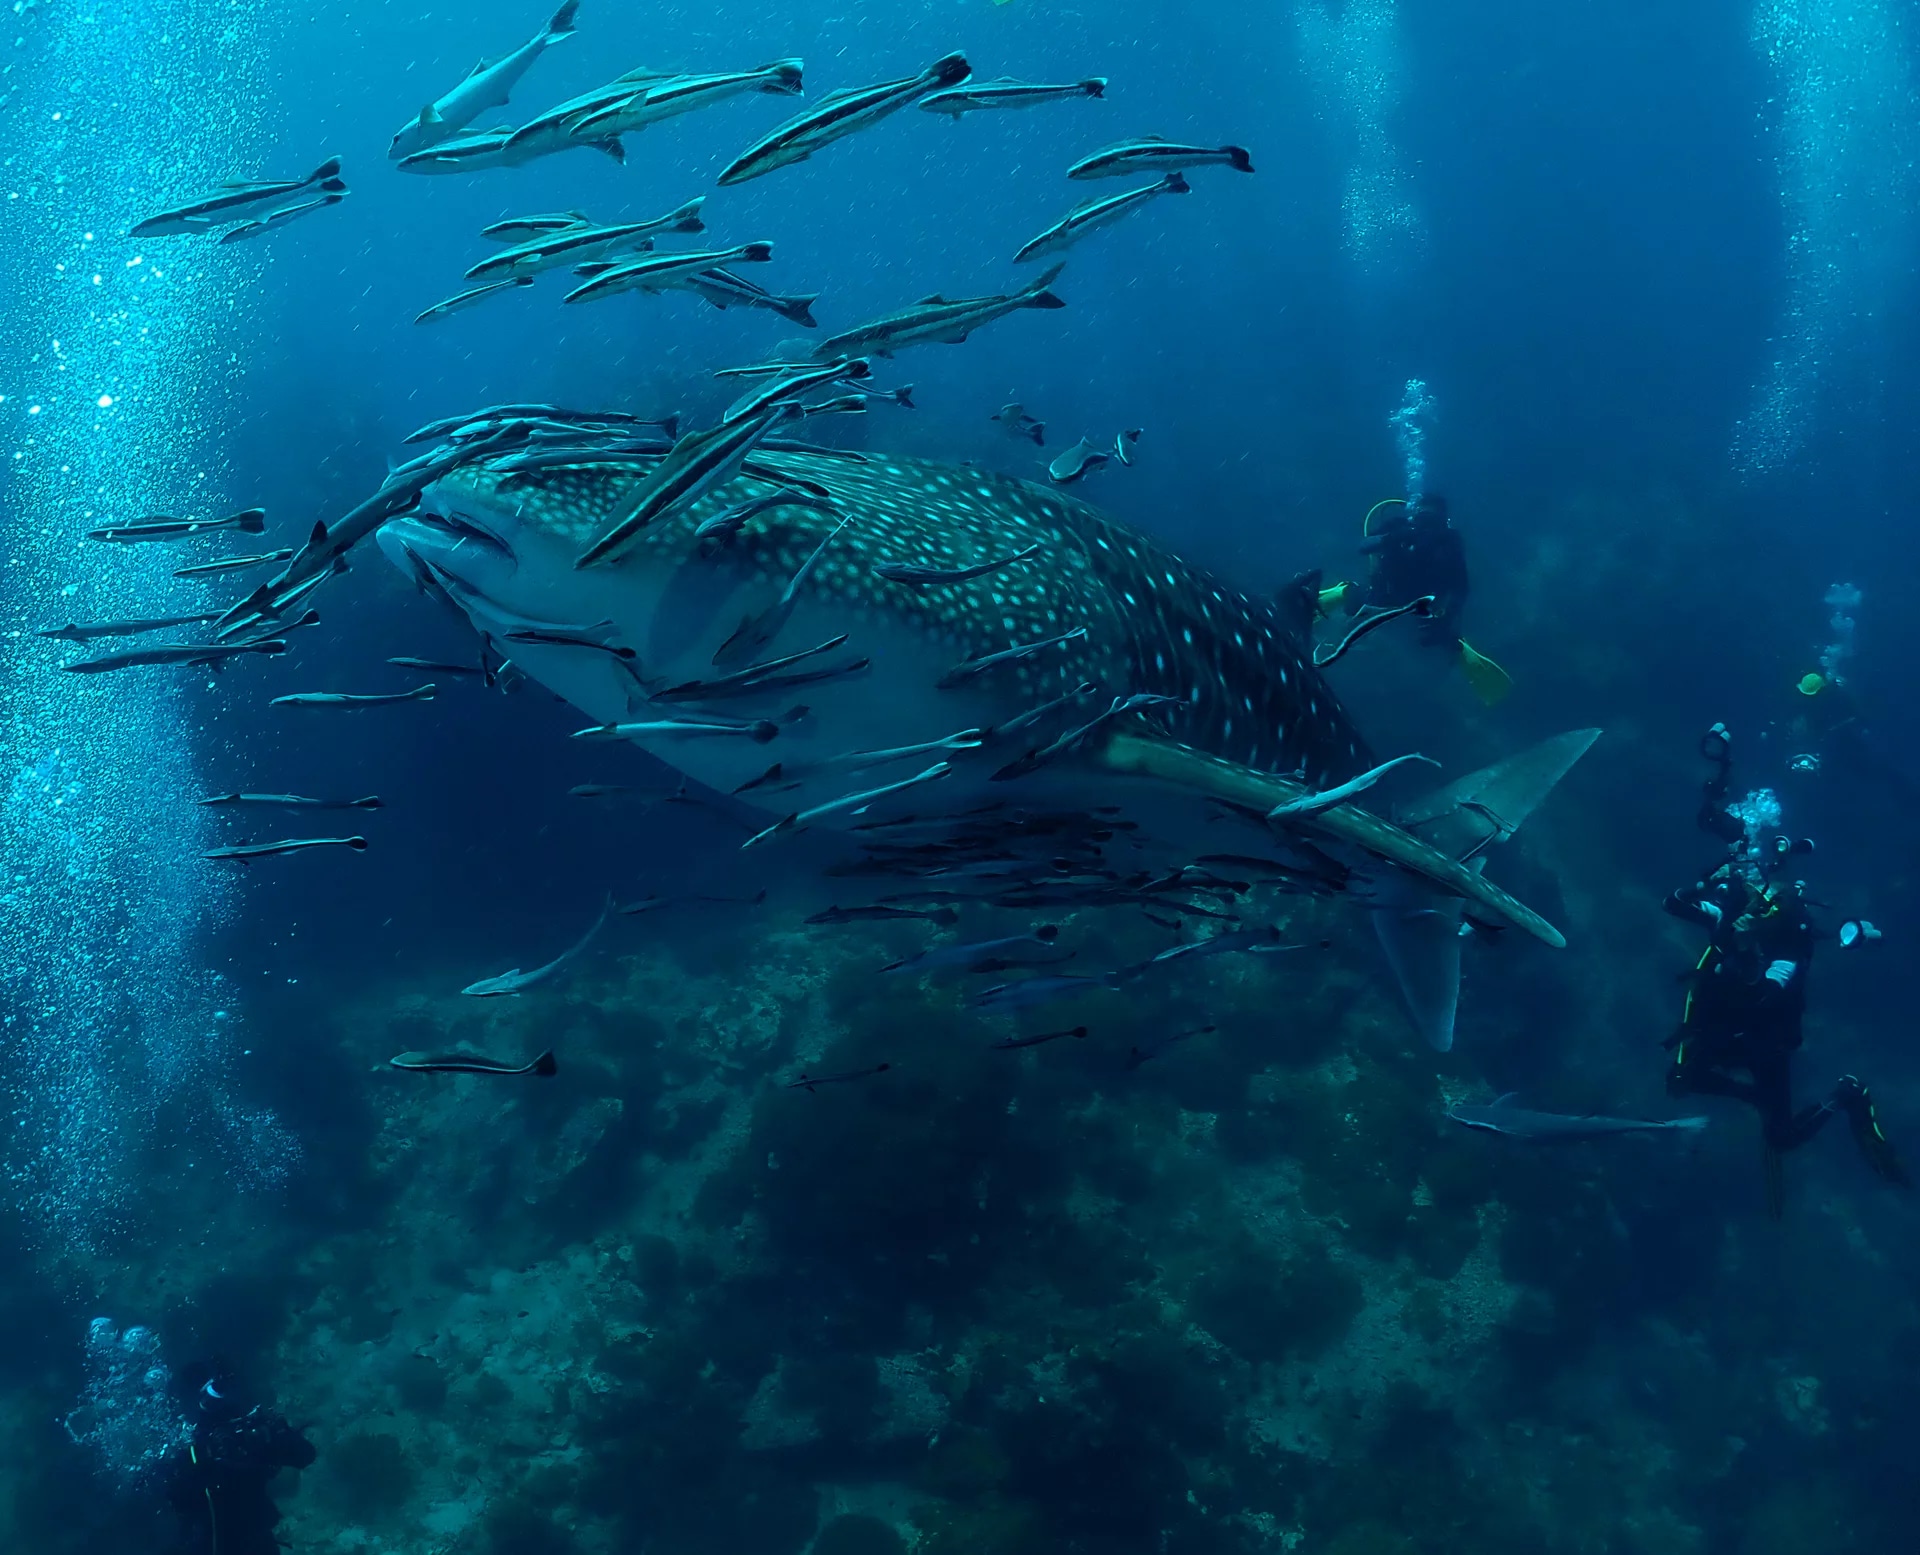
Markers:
{"x": 1092, "y": 709}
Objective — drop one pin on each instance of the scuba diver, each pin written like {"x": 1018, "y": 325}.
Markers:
{"x": 1747, "y": 994}
{"x": 1416, "y": 551}
{"x": 217, "y": 1481}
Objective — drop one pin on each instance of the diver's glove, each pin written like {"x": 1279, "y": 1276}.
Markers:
{"x": 1852, "y": 1098}
{"x": 1779, "y": 973}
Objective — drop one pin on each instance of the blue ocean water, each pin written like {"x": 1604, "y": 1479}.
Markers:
{"x": 1212, "y": 1268}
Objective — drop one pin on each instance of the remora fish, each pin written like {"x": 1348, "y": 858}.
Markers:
{"x": 276, "y": 219}
{"x": 1076, "y": 463}
{"x": 552, "y": 130}
{"x": 472, "y": 1063}
{"x": 840, "y": 115}
{"x": 250, "y": 521}
{"x": 242, "y": 852}
{"x": 486, "y": 86}
{"x": 807, "y": 1082}
{"x": 1011, "y": 1043}
{"x": 1017, "y": 423}
{"x": 513, "y": 982}
{"x": 468, "y": 298}
{"x": 1005, "y": 92}
{"x": 407, "y": 661}
{"x": 226, "y": 564}
{"x": 659, "y": 272}
{"x": 231, "y": 201}
{"x": 351, "y": 701}
{"x": 1248, "y": 725}
{"x": 1091, "y": 215}
{"x": 489, "y": 148}
{"x": 917, "y": 576}
{"x": 674, "y": 95}
{"x": 726, "y": 290}
{"x": 969, "y": 958}
{"x": 517, "y": 229}
{"x": 936, "y": 320}
{"x": 213, "y": 654}
{"x": 1497, "y": 1117}
{"x": 296, "y": 802}
{"x": 86, "y": 632}
{"x": 550, "y": 250}
{"x": 1156, "y": 154}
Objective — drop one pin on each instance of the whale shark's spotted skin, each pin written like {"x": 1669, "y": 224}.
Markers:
{"x": 1154, "y": 622}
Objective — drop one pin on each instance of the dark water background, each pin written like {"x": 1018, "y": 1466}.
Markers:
{"x": 1595, "y": 300}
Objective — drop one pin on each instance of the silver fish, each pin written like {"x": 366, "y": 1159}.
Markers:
{"x": 665, "y": 99}
{"x": 276, "y": 219}
{"x": 296, "y": 802}
{"x": 232, "y": 200}
{"x": 511, "y": 983}
{"x": 1156, "y": 154}
{"x": 1094, "y": 214}
{"x": 1498, "y": 1117}
{"x": 227, "y": 564}
{"x": 550, "y": 250}
{"x": 242, "y": 852}
{"x": 937, "y": 320}
{"x": 1005, "y": 92}
{"x": 1015, "y": 421}
{"x": 86, "y": 632}
{"x": 472, "y": 1063}
{"x": 486, "y": 86}
{"x": 250, "y": 521}
{"x": 661, "y": 272}
{"x": 212, "y": 655}
{"x": 841, "y": 115}
{"x": 1076, "y": 463}
{"x": 350, "y": 702}
{"x": 467, "y": 298}
{"x": 917, "y": 576}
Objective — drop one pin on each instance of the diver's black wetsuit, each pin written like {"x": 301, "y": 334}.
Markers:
{"x": 217, "y": 1484}
{"x": 1416, "y": 552}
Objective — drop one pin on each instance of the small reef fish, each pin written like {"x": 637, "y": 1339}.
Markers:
{"x": 276, "y": 219}
{"x": 249, "y": 521}
{"x": 351, "y": 701}
{"x": 662, "y": 272}
{"x": 1076, "y": 463}
{"x": 1545, "y": 1128}
{"x": 549, "y": 250}
{"x": 840, "y": 115}
{"x": 937, "y": 320}
{"x": 1314, "y": 804}
{"x": 1136, "y": 1056}
{"x": 723, "y": 289}
{"x": 1155, "y": 154}
{"x": 486, "y": 86}
{"x": 297, "y": 802}
{"x": 922, "y": 577}
{"x": 517, "y": 229}
{"x": 970, "y": 958}
{"x": 232, "y": 199}
{"x": 807, "y": 1082}
{"x": 88, "y": 631}
{"x": 1422, "y": 607}
{"x": 1094, "y": 214}
{"x": 1010, "y": 1043}
{"x": 472, "y": 1063}
{"x": 212, "y": 654}
{"x": 675, "y": 95}
{"x": 226, "y": 564}
{"x": 514, "y": 982}
{"x": 1005, "y": 92}
{"x": 1015, "y": 421}
{"x": 467, "y": 298}
{"x": 946, "y": 917}
{"x": 244, "y": 851}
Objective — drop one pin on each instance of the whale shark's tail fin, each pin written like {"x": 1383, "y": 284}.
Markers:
{"x": 1420, "y": 932}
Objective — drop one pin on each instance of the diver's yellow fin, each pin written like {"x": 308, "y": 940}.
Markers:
{"x": 1490, "y": 682}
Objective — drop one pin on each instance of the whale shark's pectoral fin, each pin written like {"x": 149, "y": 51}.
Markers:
{"x": 1342, "y": 828}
